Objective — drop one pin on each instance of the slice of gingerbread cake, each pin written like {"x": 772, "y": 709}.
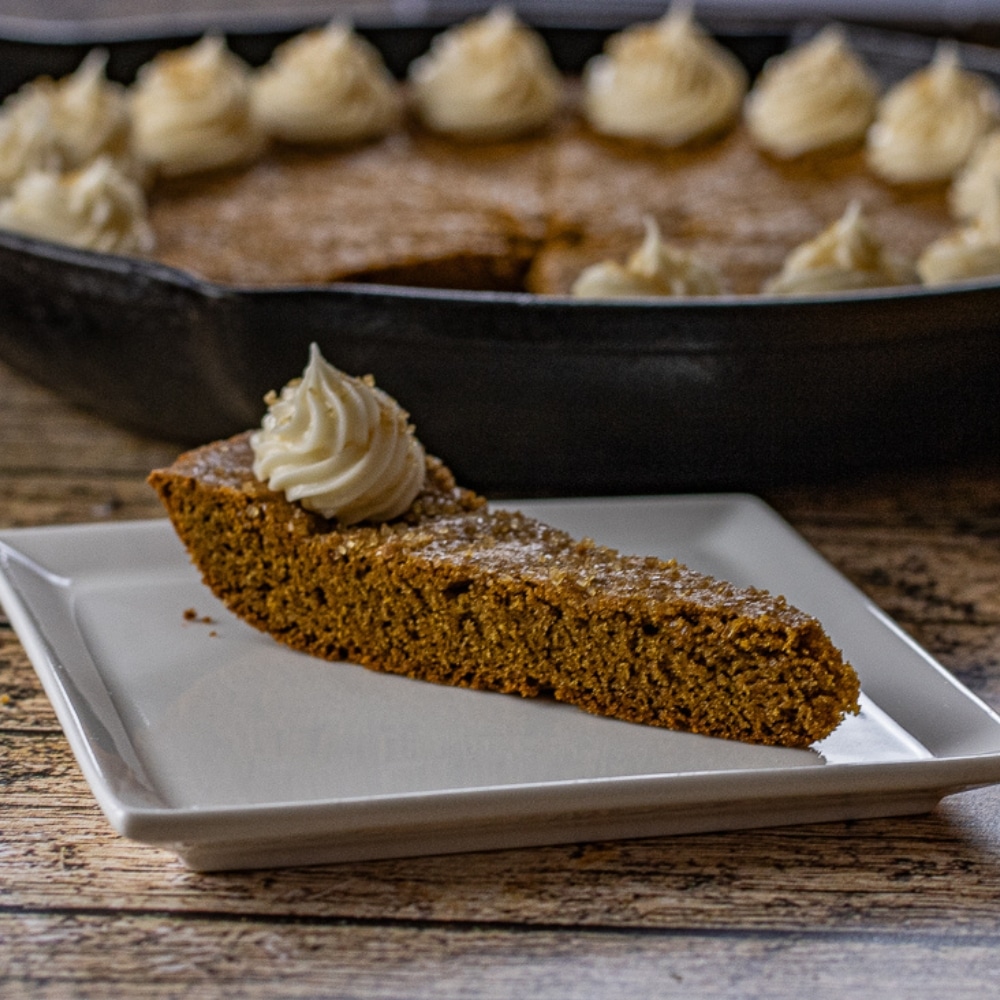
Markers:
{"x": 331, "y": 530}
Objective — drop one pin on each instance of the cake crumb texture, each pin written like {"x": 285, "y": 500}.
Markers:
{"x": 457, "y": 593}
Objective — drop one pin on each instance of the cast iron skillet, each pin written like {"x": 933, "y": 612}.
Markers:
{"x": 523, "y": 395}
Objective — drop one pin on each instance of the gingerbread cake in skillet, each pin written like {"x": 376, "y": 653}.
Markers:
{"x": 487, "y": 169}
{"x": 530, "y": 203}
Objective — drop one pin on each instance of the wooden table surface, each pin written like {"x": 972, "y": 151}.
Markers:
{"x": 897, "y": 907}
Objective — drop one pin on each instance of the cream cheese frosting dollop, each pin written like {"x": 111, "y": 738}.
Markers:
{"x": 339, "y": 446}
{"x": 666, "y": 82}
{"x": 972, "y": 251}
{"x": 814, "y": 96}
{"x": 97, "y": 207}
{"x": 656, "y": 268}
{"x": 326, "y": 86}
{"x": 844, "y": 257}
{"x": 929, "y": 123}
{"x": 191, "y": 110}
{"x": 490, "y": 78}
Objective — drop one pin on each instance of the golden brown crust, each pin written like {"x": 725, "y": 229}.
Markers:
{"x": 457, "y": 593}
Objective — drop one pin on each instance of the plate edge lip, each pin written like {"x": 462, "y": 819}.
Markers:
{"x": 484, "y": 807}
{"x": 117, "y": 811}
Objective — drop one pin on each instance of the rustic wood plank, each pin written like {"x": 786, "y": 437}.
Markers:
{"x": 56, "y": 954}
{"x": 970, "y": 652}
{"x": 23, "y": 705}
{"x": 28, "y": 500}
{"x": 955, "y": 497}
{"x": 41, "y": 431}
{"x": 917, "y": 576}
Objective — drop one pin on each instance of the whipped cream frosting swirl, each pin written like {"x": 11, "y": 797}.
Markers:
{"x": 656, "y": 268}
{"x": 928, "y": 124}
{"x": 844, "y": 257}
{"x": 490, "y": 78}
{"x": 815, "y": 96}
{"x": 666, "y": 82}
{"x": 97, "y": 207}
{"x": 972, "y": 251}
{"x": 326, "y": 86}
{"x": 339, "y": 446}
{"x": 191, "y": 110}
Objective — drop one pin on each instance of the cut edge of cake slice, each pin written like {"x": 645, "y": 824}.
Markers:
{"x": 458, "y": 593}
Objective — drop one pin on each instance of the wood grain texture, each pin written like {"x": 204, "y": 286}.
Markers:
{"x": 202, "y": 957}
{"x": 868, "y": 908}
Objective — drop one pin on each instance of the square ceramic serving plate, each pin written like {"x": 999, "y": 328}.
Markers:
{"x": 201, "y": 735}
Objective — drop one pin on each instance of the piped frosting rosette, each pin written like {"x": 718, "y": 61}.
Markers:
{"x": 27, "y": 138}
{"x": 96, "y": 208}
{"x": 972, "y": 191}
{"x": 655, "y": 268}
{"x": 191, "y": 110}
{"x": 972, "y": 251}
{"x": 339, "y": 446}
{"x": 845, "y": 256}
{"x": 491, "y": 78}
{"x": 816, "y": 96}
{"x": 928, "y": 125}
{"x": 63, "y": 124}
{"x": 326, "y": 86}
{"x": 667, "y": 83}
{"x": 90, "y": 113}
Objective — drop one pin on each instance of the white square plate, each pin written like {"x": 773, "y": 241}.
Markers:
{"x": 200, "y": 734}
